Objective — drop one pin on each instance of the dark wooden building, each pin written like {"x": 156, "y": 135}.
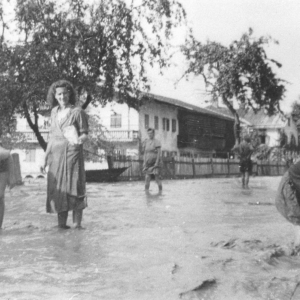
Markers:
{"x": 200, "y": 130}
{"x": 204, "y": 132}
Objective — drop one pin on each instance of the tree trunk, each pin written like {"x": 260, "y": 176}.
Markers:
{"x": 237, "y": 128}
{"x": 110, "y": 161}
{"x": 237, "y": 124}
{"x": 87, "y": 101}
{"x": 34, "y": 127}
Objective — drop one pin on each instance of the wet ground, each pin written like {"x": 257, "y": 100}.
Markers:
{"x": 200, "y": 239}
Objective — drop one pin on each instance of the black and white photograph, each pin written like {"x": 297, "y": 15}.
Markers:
{"x": 149, "y": 150}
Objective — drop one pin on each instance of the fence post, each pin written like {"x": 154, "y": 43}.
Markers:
{"x": 228, "y": 165}
{"x": 212, "y": 165}
{"x": 173, "y": 167}
{"x": 17, "y": 168}
{"x": 193, "y": 166}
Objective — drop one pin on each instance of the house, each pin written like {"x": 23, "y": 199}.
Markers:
{"x": 270, "y": 129}
{"x": 32, "y": 156}
{"x": 183, "y": 129}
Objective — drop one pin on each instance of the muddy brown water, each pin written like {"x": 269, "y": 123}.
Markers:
{"x": 199, "y": 239}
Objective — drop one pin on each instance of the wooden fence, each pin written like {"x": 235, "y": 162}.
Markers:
{"x": 184, "y": 167}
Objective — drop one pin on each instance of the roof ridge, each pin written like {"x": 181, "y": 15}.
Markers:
{"x": 186, "y": 105}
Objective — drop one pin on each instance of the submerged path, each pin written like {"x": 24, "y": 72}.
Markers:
{"x": 199, "y": 239}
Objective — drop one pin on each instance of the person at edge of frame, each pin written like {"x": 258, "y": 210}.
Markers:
{"x": 152, "y": 159}
{"x": 287, "y": 200}
{"x": 7, "y": 177}
{"x": 244, "y": 150}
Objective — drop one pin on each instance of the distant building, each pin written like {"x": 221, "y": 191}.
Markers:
{"x": 186, "y": 129}
{"x": 182, "y": 128}
{"x": 270, "y": 129}
{"x": 31, "y": 158}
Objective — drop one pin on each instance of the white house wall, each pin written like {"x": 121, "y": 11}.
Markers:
{"x": 168, "y": 139}
{"x": 130, "y": 116}
{"x": 22, "y": 124}
{"x": 272, "y": 137}
{"x": 291, "y": 129}
{"x": 30, "y": 167}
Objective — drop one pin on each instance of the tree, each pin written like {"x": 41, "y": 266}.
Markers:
{"x": 296, "y": 111}
{"x": 103, "y": 49}
{"x": 97, "y": 141}
{"x": 241, "y": 71}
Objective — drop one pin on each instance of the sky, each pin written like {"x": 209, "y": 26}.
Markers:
{"x": 226, "y": 20}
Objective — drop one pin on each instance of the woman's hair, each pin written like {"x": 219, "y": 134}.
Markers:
{"x": 58, "y": 84}
{"x": 151, "y": 130}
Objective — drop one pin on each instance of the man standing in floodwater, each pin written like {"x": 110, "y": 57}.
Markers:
{"x": 244, "y": 151}
{"x": 152, "y": 159}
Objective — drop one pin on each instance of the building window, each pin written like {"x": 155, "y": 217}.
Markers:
{"x": 166, "y": 124}
{"x": 30, "y": 155}
{"x": 165, "y": 153}
{"x": 156, "y": 124}
{"x": 116, "y": 121}
{"x": 146, "y": 121}
{"x": 174, "y": 153}
{"x": 262, "y": 136}
{"x": 173, "y": 125}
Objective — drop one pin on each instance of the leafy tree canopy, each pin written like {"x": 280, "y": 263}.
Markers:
{"x": 102, "y": 48}
{"x": 241, "y": 71}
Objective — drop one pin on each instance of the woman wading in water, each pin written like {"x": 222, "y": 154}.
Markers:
{"x": 152, "y": 160}
{"x": 64, "y": 155}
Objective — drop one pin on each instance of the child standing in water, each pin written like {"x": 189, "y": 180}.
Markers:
{"x": 244, "y": 151}
{"x": 6, "y": 178}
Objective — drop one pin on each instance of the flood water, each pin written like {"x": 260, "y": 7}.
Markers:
{"x": 199, "y": 239}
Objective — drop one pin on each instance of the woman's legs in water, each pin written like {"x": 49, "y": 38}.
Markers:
{"x": 78, "y": 218}
{"x": 3, "y": 183}
{"x": 62, "y": 220}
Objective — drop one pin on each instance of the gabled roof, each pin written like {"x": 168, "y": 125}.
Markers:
{"x": 188, "y": 106}
{"x": 220, "y": 110}
{"x": 263, "y": 120}
{"x": 259, "y": 119}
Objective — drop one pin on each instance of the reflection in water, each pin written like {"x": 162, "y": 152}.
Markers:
{"x": 150, "y": 198}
